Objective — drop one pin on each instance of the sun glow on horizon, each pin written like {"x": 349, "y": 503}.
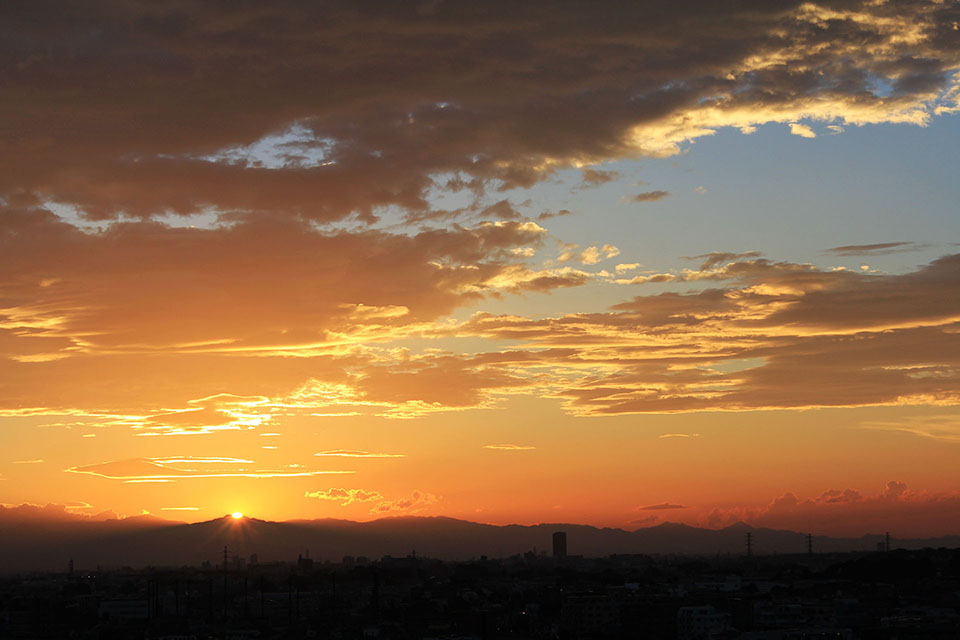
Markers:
{"x": 236, "y": 515}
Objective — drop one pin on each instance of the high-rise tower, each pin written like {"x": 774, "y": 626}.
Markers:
{"x": 560, "y": 545}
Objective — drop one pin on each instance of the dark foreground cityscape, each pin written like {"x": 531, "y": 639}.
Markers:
{"x": 885, "y": 594}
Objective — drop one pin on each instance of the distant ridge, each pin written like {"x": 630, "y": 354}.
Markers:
{"x": 49, "y": 543}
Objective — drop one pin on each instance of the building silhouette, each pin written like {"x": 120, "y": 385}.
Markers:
{"x": 560, "y": 545}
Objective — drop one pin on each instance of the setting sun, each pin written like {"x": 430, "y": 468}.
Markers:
{"x": 237, "y": 515}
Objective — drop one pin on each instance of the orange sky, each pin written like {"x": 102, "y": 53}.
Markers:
{"x": 504, "y": 263}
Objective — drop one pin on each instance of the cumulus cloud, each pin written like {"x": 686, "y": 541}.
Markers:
{"x": 344, "y": 496}
{"x": 802, "y": 130}
{"x": 51, "y": 513}
{"x": 417, "y": 501}
{"x": 593, "y": 255}
{"x": 848, "y": 512}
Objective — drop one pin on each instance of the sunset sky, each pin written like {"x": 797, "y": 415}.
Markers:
{"x": 605, "y": 263}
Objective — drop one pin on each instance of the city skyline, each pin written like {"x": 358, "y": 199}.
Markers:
{"x": 613, "y": 264}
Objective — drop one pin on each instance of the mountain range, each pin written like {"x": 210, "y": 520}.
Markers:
{"x": 38, "y": 541}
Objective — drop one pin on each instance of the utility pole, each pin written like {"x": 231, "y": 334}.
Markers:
{"x": 886, "y": 542}
{"x": 749, "y": 544}
{"x": 810, "y": 544}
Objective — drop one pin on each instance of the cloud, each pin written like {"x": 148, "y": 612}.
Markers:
{"x": 849, "y": 512}
{"x": 648, "y": 196}
{"x": 417, "y": 501}
{"x": 169, "y": 469}
{"x": 679, "y": 435}
{"x": 324, "y": 298}
{"x": 945, "y": 427}
{"x": 344, "y": 496}
{"x": 662, "y": 506}
{"x": 546, "y": 215}
{"x": 27, "y": 461}
{"x": 509, "y": 447}
{"x": 881, "y": 248}
{"x": 392, "y": 125}
{"x": 802, "y": 130}
{"x": 711, "y": 260}
{"x": 348, "y": 453}
{"x": 596, "y": 177}
{"x": 593, "y": 255}
{"x": 52, "y": 513}
{"x": 280, "y": 252}
{"x": 758, "y": 341}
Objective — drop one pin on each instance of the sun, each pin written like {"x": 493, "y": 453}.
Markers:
{"x": 237, "y": 515}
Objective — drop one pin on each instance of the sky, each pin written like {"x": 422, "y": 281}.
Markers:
{"x": 607, "y": 263}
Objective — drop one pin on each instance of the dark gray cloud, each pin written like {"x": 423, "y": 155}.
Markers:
{"x": 662, "y": 506}
{"x": 878, "y": 249}
{"x": 391, "y": 101}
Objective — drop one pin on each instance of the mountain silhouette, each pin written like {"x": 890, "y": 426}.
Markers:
{"x": 49, "y": 544}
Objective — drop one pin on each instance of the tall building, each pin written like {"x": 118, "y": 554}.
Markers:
{"x": 560, "y": 544}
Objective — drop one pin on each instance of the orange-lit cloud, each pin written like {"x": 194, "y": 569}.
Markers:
{"x": 157, "y": 469}
{"x": 194, "y": 245}
{"x": 344, "y": 496}
{"x": 779, "y": 335}
{"x": 416, "y": 502}
{"x": 509, "y": 447}
{"x": 945, "y": 428}
{"x": 348, "y": 453}
{"x": 759, "y": 338}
